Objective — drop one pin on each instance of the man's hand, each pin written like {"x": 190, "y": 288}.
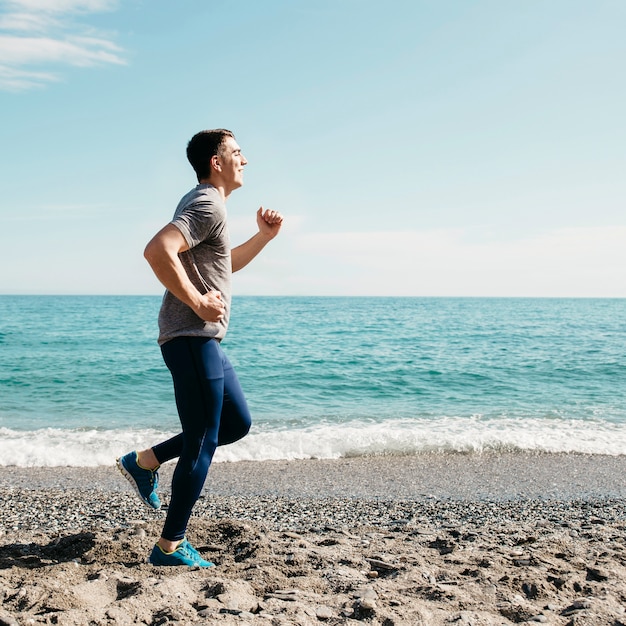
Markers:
{"x": 210, "y": 307}
{"x": 269, "y": 222}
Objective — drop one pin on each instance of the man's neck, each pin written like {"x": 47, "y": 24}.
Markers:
{"x": 216, "y": 185}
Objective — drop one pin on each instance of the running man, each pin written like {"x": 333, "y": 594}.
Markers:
{"x": 192, "y": 258}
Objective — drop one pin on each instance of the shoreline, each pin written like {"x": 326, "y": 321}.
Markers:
{"x": 476, "y": 540}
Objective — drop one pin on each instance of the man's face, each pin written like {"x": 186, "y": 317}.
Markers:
{"x": 232, "y": 163}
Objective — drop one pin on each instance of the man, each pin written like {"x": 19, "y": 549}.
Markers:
{"x": 192, "y": 257}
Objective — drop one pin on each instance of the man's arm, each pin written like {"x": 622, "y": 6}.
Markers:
{"x": 269, "y": 223}
{"x": 162, "y": 255}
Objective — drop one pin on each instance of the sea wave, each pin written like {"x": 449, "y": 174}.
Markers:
{"x": 50, "y": 447}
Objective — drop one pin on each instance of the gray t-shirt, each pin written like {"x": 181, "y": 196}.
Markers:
{"x": 201, "y": 218}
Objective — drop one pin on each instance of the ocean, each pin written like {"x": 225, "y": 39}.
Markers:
{"x": 82, "y": 380}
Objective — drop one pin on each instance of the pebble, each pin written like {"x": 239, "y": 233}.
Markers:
{"x": 379, "y": 565}
{"x": 288, "y": 595}
{"x": 353, "y": 535}
{"x": 577, "y": 605}
{"x": 8, "y": 620}
{"x": 366, "y": 592}
{"x": 53, "y": 510}
{"x": 367, "y": 604}
{"x": 324, "y": 613}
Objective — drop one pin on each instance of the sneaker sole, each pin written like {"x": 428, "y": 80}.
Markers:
{"x": 129, "y": 477}
{"x": 189, "y": 565}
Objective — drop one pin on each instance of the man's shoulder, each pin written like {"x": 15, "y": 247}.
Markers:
{"x": 202, "y": 193}
{"x": 200, "y": 197}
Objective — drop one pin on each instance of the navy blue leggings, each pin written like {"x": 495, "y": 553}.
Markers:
{"x": 213, "y": 412}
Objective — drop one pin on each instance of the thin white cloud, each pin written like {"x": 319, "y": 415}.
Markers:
{"x": 563, "y": 262}
{"x": 27, "y": 22}
{"x": 81, "y": 52}
{"x": 38, "y": 38}
{"x": 12, "y": 79}
{"x": 61, "y": 6}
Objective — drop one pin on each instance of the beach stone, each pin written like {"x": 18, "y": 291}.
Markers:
{"x": 596, "y": 574}
{"x": 530, "y": 590}
{"x": 118, "y": 615}
{"x": 324, "y": 613}
{"x": 140, "y": 533}
{"x": 209, "y": 607}
{"x": 367, "y": 604}
{"x": 235, "y": 603}
{"x": 7, "y": 620}
{"x": 366, "y": 592}
{"x": 237, "y": 595}
{"x": 363, "y": 609}
{"x": 288, "y": 595}
{"x": 577, "y": 605}
{"x": 515, "y": 612}
{"x": 291, "y": 535}
{"x": 381, "y": 566}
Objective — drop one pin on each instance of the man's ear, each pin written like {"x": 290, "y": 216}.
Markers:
{"x": 215, "y": 163}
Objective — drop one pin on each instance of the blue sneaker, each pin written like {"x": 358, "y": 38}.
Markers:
{"x": 185, "y": 554}
{"x": 144, "y": 481}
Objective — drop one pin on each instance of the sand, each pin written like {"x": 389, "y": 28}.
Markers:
{"x": 429, "y": 539}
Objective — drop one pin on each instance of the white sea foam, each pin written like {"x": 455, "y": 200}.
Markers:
{"x": 55, "y": 447}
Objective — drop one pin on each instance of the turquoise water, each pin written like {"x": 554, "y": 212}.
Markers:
{"x": 81, "y": 378}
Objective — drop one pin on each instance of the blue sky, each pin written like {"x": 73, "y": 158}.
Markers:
{"x": 418, "y": 147}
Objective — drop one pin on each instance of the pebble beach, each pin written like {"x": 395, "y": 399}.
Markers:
{"x": 475, "y": 539}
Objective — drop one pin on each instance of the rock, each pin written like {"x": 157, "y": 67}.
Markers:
{"x": 291, "y": 535}
{"x": 366, "y": 592}
{"x": 367, "y": 604}
{"x": 237, "y": 596}
{"x": 7, "y": 620}
{"x": 363, "y": 609}
{"x": 530, "y": 590}
{"x": 577, "y": 605}
{"x": 324, "y": 613}
{"x": 118, "y": 615}
{"x": 212, "y": 606}
{"x": 596, "y": 575}
{"x": 515, "y": 612}
{"x": 288, "y": 595}
{"x": 381, "y": 566}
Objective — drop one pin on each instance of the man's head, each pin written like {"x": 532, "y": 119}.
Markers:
{"x": 203, "y": 146}
{"x": 217, "y": 159}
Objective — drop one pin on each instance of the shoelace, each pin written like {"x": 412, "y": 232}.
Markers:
{"x": 191, "y": 552}
{"x": 153, "y": 480}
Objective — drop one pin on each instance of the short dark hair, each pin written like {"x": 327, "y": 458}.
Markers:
{"x": 202, "y": 147}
